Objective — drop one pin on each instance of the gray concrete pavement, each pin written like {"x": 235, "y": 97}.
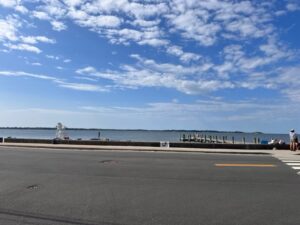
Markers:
{"x": 135, "y": 148}
{"x": 275, "y": 153}
{"x": 114, "y": 187}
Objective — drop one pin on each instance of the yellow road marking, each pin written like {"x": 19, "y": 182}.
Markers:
{"x": 245, "y": 165}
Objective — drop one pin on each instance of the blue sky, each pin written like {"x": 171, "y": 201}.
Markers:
{"x": 153, "y": 64}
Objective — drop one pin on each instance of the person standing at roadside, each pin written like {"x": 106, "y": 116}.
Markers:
{"x": 293, "y": 140}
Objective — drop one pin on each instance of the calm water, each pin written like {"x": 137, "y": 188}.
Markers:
{"x": 134, "y": 135}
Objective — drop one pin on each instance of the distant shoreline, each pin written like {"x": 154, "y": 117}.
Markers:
{"x": 99, "y": 129}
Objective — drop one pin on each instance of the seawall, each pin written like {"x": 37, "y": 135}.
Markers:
{"x": 148, "y": 144}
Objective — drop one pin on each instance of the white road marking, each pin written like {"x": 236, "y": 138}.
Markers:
{"x": 289, "y": 160}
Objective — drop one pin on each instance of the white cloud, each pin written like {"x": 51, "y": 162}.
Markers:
{"x": 87, "y": 70}
{"x": 101, "y": 17}
{"x": 57, "y": 81}
{"x": 146, "y": 23}
{"x": 41, "y": 15}
{"x": 8, "y": 3}
{"x": 86, "y": 78}
{"x": 124, "y": 35}
{"x": 73, "y": 3}
{"x": 23, "y": 47}
{"x": 293, "y": 7}
{"x": 193, "y": 27}
{"x": 184, "y": 56}
{"x": 270, "y": 52}
{"x": 101, "y": 21}
{"x": 14, "y": 4}
{"x": 202, "y": 21}
{"x": 145, "y": 10}
{"x": 53, "y": 57}
{"x": 153, "y": 42}
{"x": 58, "y": 26}
{"x": 12, "y": 39}
{"x": 36, "y": 39}
{"x": 54, "y": 8}
{"x": 83, "y": 87}
{"x": 207, "y": 21}
{"x": 153, "y": 22}
{"x": 170, "y": 26}
{"x": 25, "y": 74}
{"x": 148, "y": 73}
{"x": 246, "y": 28}
{"x": 36, "y": 64}
{"x": 224, "y": 69}
{"x": 78, "y": 15}
{"x": 9, "y": 29}
{"x": 286, "y": 80}
{"x": 21, "y": 9}
{"x": 67, "y": 60}
{"x": 106, "y": 6}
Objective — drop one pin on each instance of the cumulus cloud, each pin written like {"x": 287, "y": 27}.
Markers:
{"x": 36, "y": 64}
{"x": 153, "y": 22}
{"x": 53, "y": 57}
{"x": 11, "y": 38}
{"x": 293, "y": 6}
{"x": 191, "y": 26}
{"x": 8, "y": 3}
{"x": 180, "y": 28}
{"x": 41, "y": 15}
{"x": 58, "y": 26}
{"x": 100, "y": 21}
{"x": 36, "y": 39}
{"x": 184, "y": 56}
{"x": 287, "y": 81}
{"x": 23, "y": 47}
{"x": 202, "y": 21}
{"x": 15, "y": 4}
{"x": 67, "y": 60}
{"x": 148, "y": 73}
{"x": 9, "y": 28}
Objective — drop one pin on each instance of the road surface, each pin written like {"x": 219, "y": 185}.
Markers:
{"x": 145, "y": 188}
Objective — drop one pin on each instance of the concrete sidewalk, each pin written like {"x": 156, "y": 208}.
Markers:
{"x": 158, "y": 149}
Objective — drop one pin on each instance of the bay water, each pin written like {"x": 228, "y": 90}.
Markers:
{"x": 137, "y": 135}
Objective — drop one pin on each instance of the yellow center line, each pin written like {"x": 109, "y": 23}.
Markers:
{"x": 244, "y": 165}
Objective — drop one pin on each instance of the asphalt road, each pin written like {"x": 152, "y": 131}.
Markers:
{"x": 145, "y": 188}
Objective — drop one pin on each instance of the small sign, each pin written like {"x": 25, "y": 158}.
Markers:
{"x": 165, "y": 144}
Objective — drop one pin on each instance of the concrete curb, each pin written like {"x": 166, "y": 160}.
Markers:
{"x": 139, "y": 149}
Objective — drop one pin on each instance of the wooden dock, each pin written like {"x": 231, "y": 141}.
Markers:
{"x": 214, "y": 139}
